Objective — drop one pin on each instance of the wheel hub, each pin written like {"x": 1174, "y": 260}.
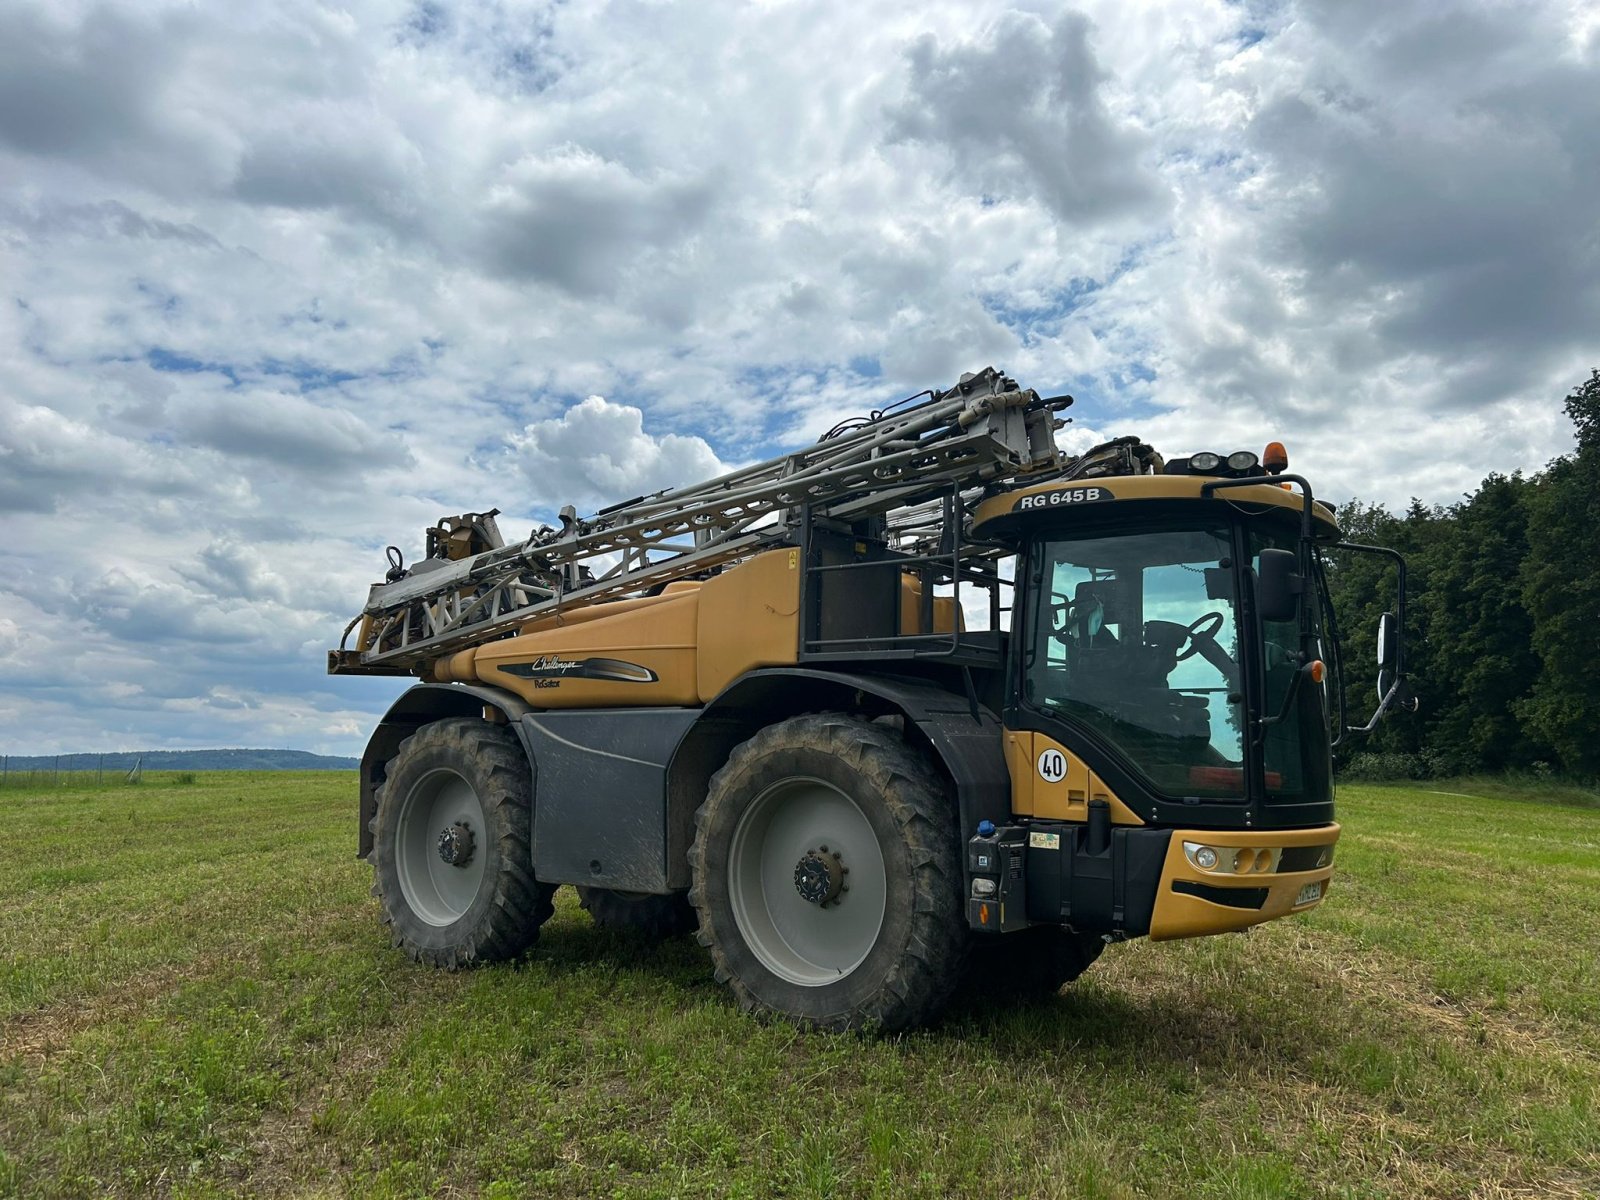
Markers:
{"x": 819, "y": 877}
{"x": 456, "y": 844}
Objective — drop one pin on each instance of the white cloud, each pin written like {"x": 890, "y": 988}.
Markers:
{"x": 597, "y": 451}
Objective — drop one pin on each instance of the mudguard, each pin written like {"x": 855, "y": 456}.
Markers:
{"x": 417, "y": 706}
{"x": 966, "y": 738}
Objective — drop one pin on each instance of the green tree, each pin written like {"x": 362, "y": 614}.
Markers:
{"x": 1363, "y": 587}
{"x": 1480, "y": 656}
{"x": 1561, "y": 588}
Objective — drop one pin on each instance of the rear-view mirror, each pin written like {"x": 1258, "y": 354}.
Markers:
{"x": 1278, "y": 585}
{"x": 1386, "y": 640}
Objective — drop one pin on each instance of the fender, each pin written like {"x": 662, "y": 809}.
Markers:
{"x": 417, "y": 706}
{"x": 970, "y": 751}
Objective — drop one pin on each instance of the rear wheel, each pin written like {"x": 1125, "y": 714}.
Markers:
{"x": 451, "y": 854}
{"x": 827, "y": 878}
{"x": 639, "y": 912}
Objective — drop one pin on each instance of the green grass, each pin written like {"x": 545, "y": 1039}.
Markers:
{"x": 196, "y": 999}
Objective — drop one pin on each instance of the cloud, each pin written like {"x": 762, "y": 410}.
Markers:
{"x": 596, "y": 451}
{"x": 1022, "y": 108}
{"x": 291, "y": 432}
{"x": 50, "y": 463}
{"x": 333, "y": 159}
{"x": 234, "y": 571}
{"x": 582, "y": 223}
{"x": 84, "y": 89}
{"x": 106, "y": 91}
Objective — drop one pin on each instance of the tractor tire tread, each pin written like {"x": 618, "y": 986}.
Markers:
{"x": 509, "y": 923}
{"x": 926, "y": 969}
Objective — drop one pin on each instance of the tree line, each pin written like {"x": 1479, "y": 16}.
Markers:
{"x": 1503, "y": 620}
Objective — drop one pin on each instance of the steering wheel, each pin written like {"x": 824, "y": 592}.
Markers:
{"x": 1203, "y": 629}
{"x": 1065, "y": 614}
{"x": 1060, "y": 617}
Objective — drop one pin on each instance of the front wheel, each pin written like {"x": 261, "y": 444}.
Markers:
{"x": 451, "y": 853}
{"x": 827, "y": 876}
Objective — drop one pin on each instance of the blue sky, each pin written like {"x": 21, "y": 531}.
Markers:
{"x": 286, "y": 282}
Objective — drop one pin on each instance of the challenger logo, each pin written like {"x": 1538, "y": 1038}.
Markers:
{"x": 548, "y": 670}
{"x": 1062, "y": 498}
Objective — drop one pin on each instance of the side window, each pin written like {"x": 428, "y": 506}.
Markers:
{"x": 987, "y": 608}
{"x": 1294, "y": 750}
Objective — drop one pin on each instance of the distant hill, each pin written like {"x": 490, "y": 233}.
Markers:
{"x": 185, "y": 760}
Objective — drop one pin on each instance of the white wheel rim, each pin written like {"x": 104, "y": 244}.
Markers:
{"x": 797, "y": 939}
{"x": 437, "y": 891}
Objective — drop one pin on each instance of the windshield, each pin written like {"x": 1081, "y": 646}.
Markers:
{"x": 1136, "y": 637}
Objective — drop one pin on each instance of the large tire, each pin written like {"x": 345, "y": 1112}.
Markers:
{"x": 639, "y": 912}
{"x": 451, "y": 854}
{"x": 827, "y": 876}
{"x": 1035, "y": 962}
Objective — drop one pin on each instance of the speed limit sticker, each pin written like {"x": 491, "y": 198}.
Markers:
{"x": 1052, "y": 766}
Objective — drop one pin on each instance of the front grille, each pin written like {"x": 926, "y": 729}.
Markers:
{"x": 1305, "y": 858}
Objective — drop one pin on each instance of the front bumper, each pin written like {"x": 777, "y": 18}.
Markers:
{"x": 1242, "y": 889}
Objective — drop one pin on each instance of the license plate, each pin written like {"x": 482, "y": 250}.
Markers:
{"x": 1308, "y": 894}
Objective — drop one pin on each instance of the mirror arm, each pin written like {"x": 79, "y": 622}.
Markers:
{"x": 1306, "y": 500}
{"x": 1289, "y": 693}
{"x": 1383, "y": 707}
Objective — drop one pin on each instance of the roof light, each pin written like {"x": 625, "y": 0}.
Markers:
{"x": 1276, "y": 458}
{"x": 1242, "y": 460}
{"x": 1205, "y": 462}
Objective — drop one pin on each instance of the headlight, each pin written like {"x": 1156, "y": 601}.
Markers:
{"x": 1234, "y": 860}
{"x": 1205, "y": 461}
{"x": 1242, "y": 460}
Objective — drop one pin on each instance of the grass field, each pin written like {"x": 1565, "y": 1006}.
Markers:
{"x": 196, "y": 999}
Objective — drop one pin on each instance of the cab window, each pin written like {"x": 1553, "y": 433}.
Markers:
{"x": 1137, "y": 638}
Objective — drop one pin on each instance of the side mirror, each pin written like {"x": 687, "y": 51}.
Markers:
{"x": 1387, "y": 632}
{"x": 1393, "y": 690}
{"x": 1278, "y": 585}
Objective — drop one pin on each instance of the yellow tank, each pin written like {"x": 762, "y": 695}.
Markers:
{"x": 679, "y": 648}
{"x": 676, "y": 648}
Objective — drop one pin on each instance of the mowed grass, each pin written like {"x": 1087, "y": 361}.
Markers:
{"x": 196, "y": 998}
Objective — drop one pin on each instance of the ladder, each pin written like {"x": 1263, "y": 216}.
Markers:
{"x": 892, "y": 464}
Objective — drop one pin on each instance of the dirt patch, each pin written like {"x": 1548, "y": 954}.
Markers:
{"x": 288, "y": 1155}
{"x": 35, "y": 1037}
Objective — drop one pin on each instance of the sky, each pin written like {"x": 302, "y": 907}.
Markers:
{"x": 285, "y": 282}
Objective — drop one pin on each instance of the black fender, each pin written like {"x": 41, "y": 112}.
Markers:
{"x": 416, "y": 707}
{"x": 970, "y": 749}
